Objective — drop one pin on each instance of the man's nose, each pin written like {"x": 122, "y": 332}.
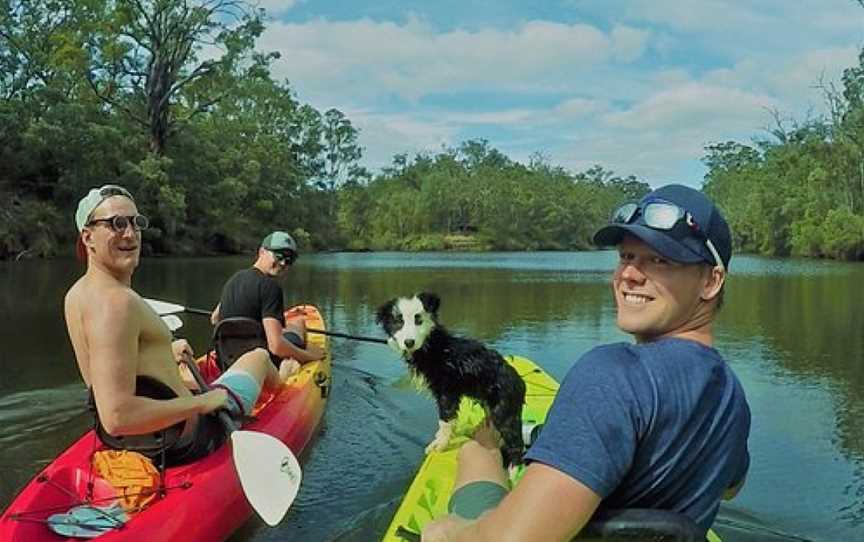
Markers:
{"x": 630, "y": 271}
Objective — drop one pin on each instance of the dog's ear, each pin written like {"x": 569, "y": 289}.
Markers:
{"x": 431, "y": 301}
{"x": 384, "y": 311}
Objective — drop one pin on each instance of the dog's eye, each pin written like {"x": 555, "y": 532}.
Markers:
{"x": 399, "y": 319}
{"x": 418, "y": 319}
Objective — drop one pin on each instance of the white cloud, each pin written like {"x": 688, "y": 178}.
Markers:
{"x": 791, "y": 80}
{"x": 713, "y": 109}
{"x": 411, "y": 60}
{"x": 276, "y": 7}
{"x": 385, "y": 135}
{"x": 641, "y": 91}
{"x": 629, "y": 43}
{"x": 579, "y": 107}
{"x": 651, "y": 155}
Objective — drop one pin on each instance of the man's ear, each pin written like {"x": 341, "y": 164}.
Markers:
{"x": 713, "y": 283}
{"x": 87, "y": 238}
{"x": 430, "y": 301}
{"x": 384, "y": 311}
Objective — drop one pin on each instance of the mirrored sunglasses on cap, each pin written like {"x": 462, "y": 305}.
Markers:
{"x": 119, "y": 223}
{"x": 664, "y": 216}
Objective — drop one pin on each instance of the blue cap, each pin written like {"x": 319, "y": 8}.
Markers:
{"x": 690, "y": 249}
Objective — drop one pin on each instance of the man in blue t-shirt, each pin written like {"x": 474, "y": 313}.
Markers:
{"x": 662, "y": 423}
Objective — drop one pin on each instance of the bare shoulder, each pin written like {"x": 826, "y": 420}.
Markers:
{"x": 100, "y": 304}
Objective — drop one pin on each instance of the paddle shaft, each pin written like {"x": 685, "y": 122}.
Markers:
{"x": 346, "y": 336}
{"x": 173, "y": 307}
{"x": 308, "y": 330}
{"x": 224, "y": 417}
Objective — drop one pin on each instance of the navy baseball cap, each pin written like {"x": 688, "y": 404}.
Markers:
{"x": 684, "y": 241}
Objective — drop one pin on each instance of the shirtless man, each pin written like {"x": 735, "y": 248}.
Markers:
{"x": 118, "y": 338}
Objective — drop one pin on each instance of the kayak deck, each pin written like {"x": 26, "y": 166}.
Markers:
{"x": 203, "y": 500}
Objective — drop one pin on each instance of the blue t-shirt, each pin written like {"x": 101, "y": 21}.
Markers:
{"x": 659, "y": 425}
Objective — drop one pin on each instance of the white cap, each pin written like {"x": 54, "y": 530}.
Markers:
{"x": 92, "y": 200}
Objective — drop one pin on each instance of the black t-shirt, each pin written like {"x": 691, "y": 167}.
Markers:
{"x": 252, "y": 294}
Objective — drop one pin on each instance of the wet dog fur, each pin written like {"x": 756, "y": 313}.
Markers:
{"x": 453, "y": 367}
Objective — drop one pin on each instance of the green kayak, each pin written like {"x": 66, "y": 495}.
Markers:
{"x": 429, "y": 493}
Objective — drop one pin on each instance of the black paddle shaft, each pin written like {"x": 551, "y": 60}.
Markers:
{"x": 346, "y": 336}
{"x": 308, "y": 330}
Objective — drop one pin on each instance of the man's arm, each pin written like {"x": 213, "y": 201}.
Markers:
{"x": 278, "y": 345}
{"x": 112, "y": 335}
{"x": 546, "y": 505}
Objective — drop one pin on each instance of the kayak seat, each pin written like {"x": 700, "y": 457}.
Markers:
{"x": 642, "y": 524}
{"x": 233, "y": 337}
{"x": 631, "y": 524}
{"x": 149, "y": 444}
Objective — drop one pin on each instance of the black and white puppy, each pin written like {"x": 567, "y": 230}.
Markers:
{"x": 454, "y": 367}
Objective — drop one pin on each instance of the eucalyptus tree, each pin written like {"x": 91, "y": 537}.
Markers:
{"x": 162, "y": 62}
{"x": 341, "y": 149}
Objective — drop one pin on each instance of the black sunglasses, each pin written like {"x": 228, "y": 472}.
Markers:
{"x": 287, "y": 257}
{"x": 119, "y": 223}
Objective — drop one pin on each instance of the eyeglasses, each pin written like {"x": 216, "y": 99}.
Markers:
{"x": 119, "y": 223}
{"x": 287, "y": 257}
{"x": 666, "y": 216}
{"x": 109, "y": 190}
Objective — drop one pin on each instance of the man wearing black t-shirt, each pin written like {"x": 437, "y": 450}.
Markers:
{"x": 254, "y": 293}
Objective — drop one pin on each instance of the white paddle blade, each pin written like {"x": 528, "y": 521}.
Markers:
{"x": 163, "y": 307}
{"x": 172, "y": 321}
{"x": 268, "y": 471}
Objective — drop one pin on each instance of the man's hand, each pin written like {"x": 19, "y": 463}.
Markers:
{"x": 444, "y": 529}
{"x": 212, "y": 400}
{"x": 182, "y": 351}
{"x": 487, "y": 436}
{"x": 315, "y": 352}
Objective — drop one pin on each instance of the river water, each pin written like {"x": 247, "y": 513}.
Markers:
{"x": 793, "y": 330}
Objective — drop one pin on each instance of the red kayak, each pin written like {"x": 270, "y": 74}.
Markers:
{"x": 204, "y": 500}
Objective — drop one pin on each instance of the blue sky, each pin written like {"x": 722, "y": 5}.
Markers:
{"x": 639, "y": 86}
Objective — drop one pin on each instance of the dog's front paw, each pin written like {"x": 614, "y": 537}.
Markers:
{"x": 435, "y": 446}
{"x": 442, "y": 438}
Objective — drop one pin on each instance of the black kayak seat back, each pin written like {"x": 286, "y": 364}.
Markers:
{"x": 624, "y": 525}
{"x": 149, "y": 444}
{"x": 235, "y": 336}
{"x": 638, "y": 524}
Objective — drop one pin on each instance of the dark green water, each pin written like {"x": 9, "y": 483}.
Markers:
{"x": 793, "y": 330}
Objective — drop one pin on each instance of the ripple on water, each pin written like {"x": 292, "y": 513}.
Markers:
{"x": 369, "y": 448}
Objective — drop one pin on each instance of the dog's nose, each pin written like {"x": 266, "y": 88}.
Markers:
{"x": 409, "y": 343}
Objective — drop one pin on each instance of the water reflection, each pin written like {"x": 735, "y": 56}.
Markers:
{"x": 791, "y": 329}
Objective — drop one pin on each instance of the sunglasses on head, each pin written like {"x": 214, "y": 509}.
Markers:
{"x": 666, "y": 216}
{"x": 119, "y": 223}
{"x": 286, "y": 258}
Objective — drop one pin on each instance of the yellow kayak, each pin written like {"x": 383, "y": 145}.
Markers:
{"x": 430, "y": 491}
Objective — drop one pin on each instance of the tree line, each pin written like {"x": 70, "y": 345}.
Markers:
{"x": 170, "y": 99}
{"x": 800, "y": 190}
